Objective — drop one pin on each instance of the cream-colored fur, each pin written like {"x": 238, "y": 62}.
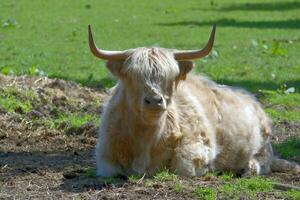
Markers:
{"x": 204, "y": 127}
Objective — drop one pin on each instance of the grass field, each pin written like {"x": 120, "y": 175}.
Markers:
{"x": 257, "y": 45}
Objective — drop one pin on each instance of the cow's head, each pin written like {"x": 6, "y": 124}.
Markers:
{"x": 150, "y": 75}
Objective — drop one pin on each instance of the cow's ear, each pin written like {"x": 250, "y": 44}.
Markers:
{"x": 115, "y": 67}
{"x": 185, "y": 67}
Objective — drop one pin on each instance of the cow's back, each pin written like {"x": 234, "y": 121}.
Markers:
{"x": 235, "y": 119}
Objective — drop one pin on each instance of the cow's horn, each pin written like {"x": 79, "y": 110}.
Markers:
{"x": 195, "y": 54}
{"x": 103, "y": 54}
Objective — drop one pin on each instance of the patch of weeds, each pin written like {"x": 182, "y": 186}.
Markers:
{"x": 90, "y": 173}
{"x": 281, "y": 105}
{"x": 64, "y": 122}
{"x": 7, "y": 71}
{"x": 35, "y": 71}
{"x": 285, "y": 99}
{"x": 289, "y": 148}
{"x": 277, "y": 50}
{"x": 280, "y": 115}
{"x": 165, "y": 175}
{"x": 229, "y": 190}
{"x": 12, "y": 105}
{"x": 293, "y": 194}
{"x": 273, "y": 49}
{"x": 148, "y": 183}
{"x": 74, "y": 120}
{"x": 7, "y": 23}
{"x": 215, "y": 173}
{"x": 206, "y": 193}
{"x": 32, "y": 71}
{"x": 178, "y": 187}
{"x": 280, "y": 97}
{"x": 13, "y": 100}
{"x": 226, "y": 176}
{"x": 107, "y": 82}
{"x": 134, "y": 177}
{"x": 248, "y": 187}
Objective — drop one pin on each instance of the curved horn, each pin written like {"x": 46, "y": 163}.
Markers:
{"x": 103, "y": 54}
{"x": 195, "y": 54}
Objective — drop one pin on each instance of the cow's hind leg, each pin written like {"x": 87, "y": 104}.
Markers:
{"x": 261, "y": 162}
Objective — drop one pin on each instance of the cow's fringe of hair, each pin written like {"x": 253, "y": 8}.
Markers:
{"x": 151, "y": 64}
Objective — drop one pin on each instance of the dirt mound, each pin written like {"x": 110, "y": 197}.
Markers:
{"x": 39, "y": 114}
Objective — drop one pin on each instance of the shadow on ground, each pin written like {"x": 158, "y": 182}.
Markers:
{"x": 230, "y": 22}
{"x": 69, "y": 167}
{"x": 262, "y": 6}
{"x": 105, "y": 82}
{"x": 108, "y": 82}
{"x": 289, "y": 149}
{"x": 21, "y": 163}
{"x": 254, "y": 86}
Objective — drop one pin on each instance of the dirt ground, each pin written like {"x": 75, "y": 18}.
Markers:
{"x": 52, "y": 162}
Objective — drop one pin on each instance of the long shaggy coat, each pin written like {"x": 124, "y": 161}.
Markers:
{"x": 204, "y": 127}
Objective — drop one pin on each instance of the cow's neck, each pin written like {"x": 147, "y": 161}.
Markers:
{"x": 139, "y": 127}
{"x": 146, "y": 128}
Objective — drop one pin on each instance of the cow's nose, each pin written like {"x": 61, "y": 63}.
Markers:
{"x": 153, "y": 101}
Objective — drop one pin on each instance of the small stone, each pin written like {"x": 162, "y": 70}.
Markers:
{"x": 64, "y": 125}
{"x": 35, "y": 114}
{"x": 19, "y": 109}
{"x": 59, "y": 101}
{"x": 290, "y": 90}
{"x": 3, "y": 111}
{"x": 72, "y": 131}
{"x": 2, "y": 135}
{"x": 69, "y": 175}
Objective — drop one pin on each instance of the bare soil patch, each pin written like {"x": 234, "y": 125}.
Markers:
{"x": 40, "y": 160}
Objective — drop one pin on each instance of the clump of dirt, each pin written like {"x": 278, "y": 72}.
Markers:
{"x": 48, "y": 131}
{"x": 54, "y": 110}
{"x": 284, "y": 130}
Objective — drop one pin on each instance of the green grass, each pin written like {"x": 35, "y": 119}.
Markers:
{"x": 224, "y": 186}
{"x": 206, "y": 193}
{"x": 165, "y": 175}
{"x": 293, "y": 194}
{"x": 178, "y": 187}
{"x": 70, "y": 124}
{"x": 280, "y": 115}
{"x": 12, "y": 99}
{"x": 236, "y": 188}
{"x": 246, "y": 187}
{"x": 226, "y": 176}
{"x": 134, "y": 177}
{"x": 289, "y": 148}
{"x": 75, "y": 120}
{"x": 281, "y": 105}
{"x": 256, "y": 45}
{"x": 90, "y": 173}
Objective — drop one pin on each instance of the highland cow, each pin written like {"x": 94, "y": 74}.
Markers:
{"x": 158, "y": 117}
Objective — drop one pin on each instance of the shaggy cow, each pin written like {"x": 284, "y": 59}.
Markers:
{"x": 158, "y": 117}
